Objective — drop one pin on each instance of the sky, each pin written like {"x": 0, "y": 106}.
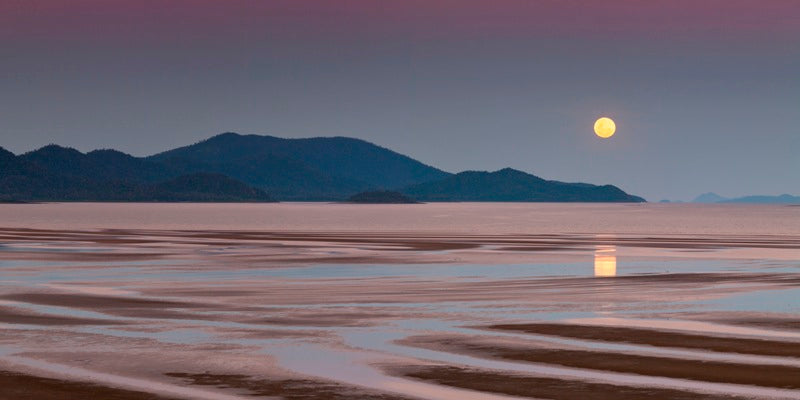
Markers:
{"x": 705, "y": 93}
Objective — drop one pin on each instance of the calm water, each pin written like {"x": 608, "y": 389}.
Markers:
{"x": 126, "y": 293}
{"x": 483, "y": 218}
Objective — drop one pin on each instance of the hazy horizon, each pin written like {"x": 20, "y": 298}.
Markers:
{"x": 705, "y": 94}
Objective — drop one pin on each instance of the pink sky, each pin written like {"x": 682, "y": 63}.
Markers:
{"x": 199, "y": 19}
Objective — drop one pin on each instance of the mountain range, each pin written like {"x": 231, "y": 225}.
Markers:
{"x": 760, "y": 199}
{"x": 234, "y": 167}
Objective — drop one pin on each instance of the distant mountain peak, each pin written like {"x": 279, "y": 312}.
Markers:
{"x": 709, "y": 197}
{"x": 509, "y": 170}
{"x": 505, "y": 173}
{"x": 5, "y": 153}
{"x": 226, "y": 135}
{"x": 54, "y": 149}
{"x": 319, "y": 168}
{"x": 108, "y": 152}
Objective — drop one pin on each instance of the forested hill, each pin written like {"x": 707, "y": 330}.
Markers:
{"x": 234, "y": 167}
{"x": 512, "y": 185}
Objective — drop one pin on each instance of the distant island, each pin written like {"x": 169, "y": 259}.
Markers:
{"x": 709, "y": 197}
{"x": 757, "y": 199}
{"x": 381, "y": 197}
{"x": 234, "y": 167}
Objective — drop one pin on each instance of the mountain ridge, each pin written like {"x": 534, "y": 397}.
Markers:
{"x": 339, "y": 166}
{"x": 712, "y": 197}
{"x": 512, "y": 185}
{"x": 57, "y": 173}
{"x": 234, "y": 167}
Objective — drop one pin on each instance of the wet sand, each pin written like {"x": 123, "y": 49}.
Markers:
{"x": 653, "y": 337}
{"x": 12, "y": 316}
{"x": 16, "y": 386}
{"x": 538, "y": 387}
{"x": 445, "y": 312}
{"x": 776, "y": 376}
{"x": 290, "y": 389}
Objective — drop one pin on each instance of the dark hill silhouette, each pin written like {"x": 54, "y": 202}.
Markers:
{"x": 381, "y": 197}
{"x": 102, "y": 165}
{"x": 228, "y": 167}
{"x": 322, "y": 168}
{"x": 285, "y": 179}
{"x": 11, "y": 165}
{"x": 205, "y": 187}
{"x": 7, "y": 159}
{"x": 21, "y": 179}
{"x": 55, "y": 173}
{"x": 512, "y": 185}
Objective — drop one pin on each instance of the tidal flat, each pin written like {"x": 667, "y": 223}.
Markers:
{"x": 420, "y": 301}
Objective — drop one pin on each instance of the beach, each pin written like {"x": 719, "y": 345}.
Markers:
{"x": 432, "y": 301}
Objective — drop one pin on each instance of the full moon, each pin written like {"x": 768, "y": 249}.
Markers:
{"x": 605, "y": 127}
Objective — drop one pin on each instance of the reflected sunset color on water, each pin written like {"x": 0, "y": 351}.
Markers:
{"x": 221, "y": 302}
